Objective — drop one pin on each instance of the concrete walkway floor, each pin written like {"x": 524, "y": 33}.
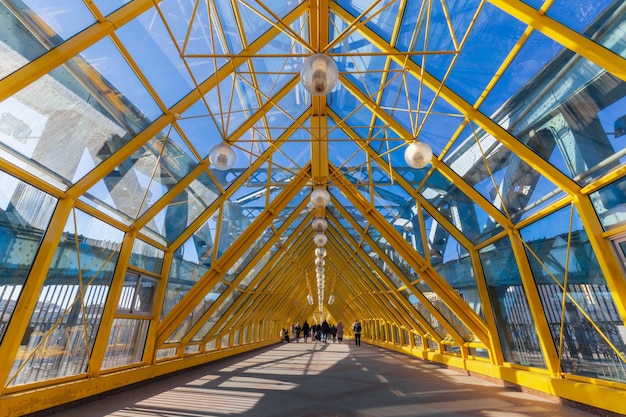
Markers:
{"x": 316, "y": 379}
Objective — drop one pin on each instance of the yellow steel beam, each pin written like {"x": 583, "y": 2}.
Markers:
{"x": 391, "y": 264}
{"x": 39, "y": 67}
{"x": 29, "y": 295}
{"x": 180, "y": 107}
{"x": 400, "y": 299}
{"x": 473, "y": 322}
{"x": 567, "y": 37}
{"x": 230, "y": 256}
{"x": 108, "y": 314}
{"x": 466, "y": 109}
{"x": 493, "y": 344}
{"x": 242, "y": 275}
{"x": 534, "y": 304}
{"x": 609, "y": 264}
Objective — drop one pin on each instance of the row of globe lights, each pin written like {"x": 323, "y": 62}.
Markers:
{"x": 320, "y": 197}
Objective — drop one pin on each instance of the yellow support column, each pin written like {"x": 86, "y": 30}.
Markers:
{"x": 29, "y": 296}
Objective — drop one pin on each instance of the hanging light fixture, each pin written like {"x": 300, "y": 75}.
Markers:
{"x": 320, "y": 262}
{"x": 320, "y": 252}
{"x": 320, "y": 239}
{"x": 319, "y": 224}
{"x": 319, "y": 74}
{"x": 418, "y": 154}
{"x": 222, "y": 157}
{"x": 320, "y": 197}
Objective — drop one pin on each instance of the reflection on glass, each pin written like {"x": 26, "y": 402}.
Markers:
{"x": 216, "y": 317}
{"x": 146, "y": 257}
{"x": 586, "y": 327}
{"x": 197, "y": 313}
{"x": 514, "y": 320}
{"x": 137, "y": 295}
{"x": 610, "y": 204}
{"x": 126, "y": 342}
{"x": 63, "y": 326}
{"x": 457, "y": 269}
{"x": 447, "y": 314}
{"x": 24, "y": 215}
{"x": 567, "y": 114}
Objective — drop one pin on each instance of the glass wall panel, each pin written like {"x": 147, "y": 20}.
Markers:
{"x": 514, "y": 320}
{"x": 586, "y": 327}
{"x": 570, "y": 113}
{"x": 447, "y": 313}
{"x": 18, "y": 46}
{"x": 64, "y": 324}
{"x": 146, "y": 257}
{"x": 197, "y": 312}
{"x": 126, "y": 342}
{"x": 24, "y": 215}
{"x": 610, "y": 204}
{"x": 458, "y": 271}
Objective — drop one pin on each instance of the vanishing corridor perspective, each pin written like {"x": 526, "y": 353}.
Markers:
{"x": 182, "y": 179}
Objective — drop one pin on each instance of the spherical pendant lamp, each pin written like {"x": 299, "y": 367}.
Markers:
{"x": 320, "y": 262}
{"x": 319, "y": 224}
{"x": 320, "y": 197}
{"x": 320, "y": 239}
{"x": 222, "y": 157}
{"x": 319, "y": 74}
{"x": 418, "y": 154}
{"x": 320, "y": 252}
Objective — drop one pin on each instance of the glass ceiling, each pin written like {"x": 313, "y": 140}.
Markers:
{"x": 114, "y": 107}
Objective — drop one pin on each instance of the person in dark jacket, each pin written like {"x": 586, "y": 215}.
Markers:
{"x": 356, "y": 328}
{"x": 305, "y": 330}
{"x": 325, "y": 331}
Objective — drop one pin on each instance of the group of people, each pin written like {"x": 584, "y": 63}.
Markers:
{"x": 322, "y": 332}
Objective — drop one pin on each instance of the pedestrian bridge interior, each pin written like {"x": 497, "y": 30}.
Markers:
{"x": 174, "y": 192}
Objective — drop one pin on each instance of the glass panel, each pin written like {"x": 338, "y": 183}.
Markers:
{"x": 141, "y": 180}
{"x": 579, "y": 307}
{"x": 108, "y": 6}
{"x": 25, "y": 213}
{"x": 147, "y": 40}
{"x": 461, "y": 210}
{"x": 445, "y": 311}
{"x": 513, "y": 186}
{"x": 55, "y": 21}
{"x": 123, "y": 88}
{"x": 137, "y": 295}
{"x": 126, "y": 342}
{"x": 458, "y": 271}
{"x": 63, "y": 326}
{"x": 187, "y": 268}
{"x": 578, "y": 14}
{"x": 568, "y": 112}
{"x": 216, "y": 316}
{"x": 610, "y": 204}
{"x": 146, "y": 257}
{"x": 184, "y": 208}
{"x": 472, "y": 69}
{"x": 197, "y": 313}
{"x": 18, "y": 45}
{"x": 514, "y": 320}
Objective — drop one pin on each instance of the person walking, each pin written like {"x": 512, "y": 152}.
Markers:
{"x": 305, "y": 330}
{"x": 339, "y": 331}
{"x": 356, "y": 328}
{"x": 325, "y": 331}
